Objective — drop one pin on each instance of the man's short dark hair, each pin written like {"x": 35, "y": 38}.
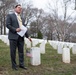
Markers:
{"x": 17, "y": 5}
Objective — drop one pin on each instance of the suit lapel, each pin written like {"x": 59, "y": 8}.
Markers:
{"x": 15, "y": 17}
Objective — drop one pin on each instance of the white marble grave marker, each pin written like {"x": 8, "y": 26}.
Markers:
{"x": 42, "y": 47}
{"x": 66, "y": 55}
{"x": 60, "y": 50}
{"x": 74, "y": 49}
{"x": 35, "y": 59}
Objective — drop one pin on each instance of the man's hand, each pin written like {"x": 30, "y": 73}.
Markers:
{"x": 30, "y": 39}
{"x": 18, "y": 30}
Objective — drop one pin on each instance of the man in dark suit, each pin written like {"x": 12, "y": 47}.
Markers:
{"x": 13, "y": 24}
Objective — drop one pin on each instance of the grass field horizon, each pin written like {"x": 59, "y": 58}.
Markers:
{"x": 51, "y": 63}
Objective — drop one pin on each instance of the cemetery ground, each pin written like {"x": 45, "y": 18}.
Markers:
{"x": 51, "y": 63}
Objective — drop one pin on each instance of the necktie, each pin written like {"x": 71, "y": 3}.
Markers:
{"x": 19, "y": 20}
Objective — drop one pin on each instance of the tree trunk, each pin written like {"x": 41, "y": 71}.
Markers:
{"x": 1, "y": 26}
{"x": 4, "y": 22}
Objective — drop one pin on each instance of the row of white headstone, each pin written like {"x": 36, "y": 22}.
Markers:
{"x": 4, "y": 38}
{"x": 61, "y": 47}
{"x": 64, "y": 49}
{"x": 35, "y": 51}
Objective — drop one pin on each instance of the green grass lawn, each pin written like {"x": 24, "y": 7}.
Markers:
{"x": 51, "y": 63}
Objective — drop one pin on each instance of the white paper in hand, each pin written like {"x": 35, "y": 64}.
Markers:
{"x": 23, "y": 31}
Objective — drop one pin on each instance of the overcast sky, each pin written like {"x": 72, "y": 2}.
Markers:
{"x": 36, "y": 3}
{"x": 43, "y": 4}
{"x": 40, "y": 3}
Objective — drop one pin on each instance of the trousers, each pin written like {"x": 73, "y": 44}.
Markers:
{"x": 17, "y": 45}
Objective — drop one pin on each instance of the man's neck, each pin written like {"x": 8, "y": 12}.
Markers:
{"x": 17, "y": 13}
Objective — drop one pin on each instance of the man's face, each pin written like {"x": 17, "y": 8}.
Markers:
{"x": 18, "y": 9}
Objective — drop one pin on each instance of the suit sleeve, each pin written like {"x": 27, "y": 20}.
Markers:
{"x": 26, "y": 34}
{"x": 9, "y": 24}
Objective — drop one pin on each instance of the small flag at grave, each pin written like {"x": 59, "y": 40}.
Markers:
{"x": 28, "y": 53}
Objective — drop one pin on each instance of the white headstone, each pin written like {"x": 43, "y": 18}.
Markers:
{"x": 0, "y": 36}
{"x": 60, "y": 50}
{"x": 74, "y": 49}
{"x": 66, "y": 55}
{"x": 65, "y": 45}
{"x": 54, "y": 44}
{"x": 42, "y": 47}
{"x": 35, "y": 59}
{"x": 28, "y": 43}
{"x": 34, "y": 42}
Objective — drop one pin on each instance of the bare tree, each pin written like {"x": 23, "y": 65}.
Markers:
{"x": 61, "y": 25}
{"x": 6, "y": 4}
{"x": 37, "y": 19}
{"x": 75, "y": 4}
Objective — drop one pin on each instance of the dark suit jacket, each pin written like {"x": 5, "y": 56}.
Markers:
{"x": 12, "y": 24}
